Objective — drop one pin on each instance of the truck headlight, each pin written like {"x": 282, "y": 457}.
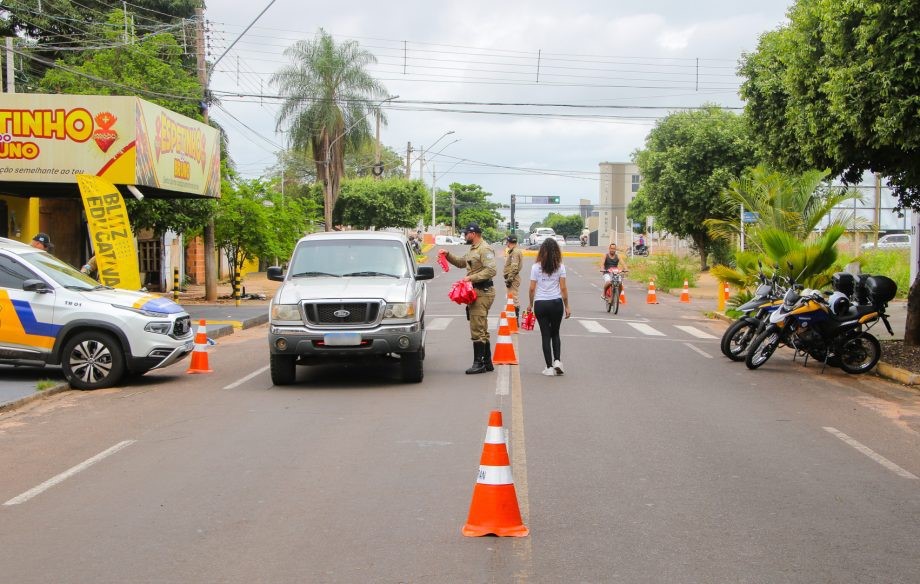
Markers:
{"x": 399, "y": 310}
{"x": 160, "y": 328}
{"x": 285, "y": 312}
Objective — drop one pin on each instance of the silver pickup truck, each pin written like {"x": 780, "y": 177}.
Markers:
{"x": 345, "y": 296}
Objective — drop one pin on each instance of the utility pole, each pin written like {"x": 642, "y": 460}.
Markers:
{"x": 878, "y": 205}
{"x": 210, "y": 264}
{"x": 408, "y": 160}
{"x": 10, "y": 79}
{"x": 378, "y": 167}
{"x": 453, "y": 212}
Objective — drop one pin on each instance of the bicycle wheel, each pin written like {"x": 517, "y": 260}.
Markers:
{"x": 609, "y": 298}
{"x": 615, "y": 298}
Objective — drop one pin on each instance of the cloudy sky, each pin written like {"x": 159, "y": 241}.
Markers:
{"x": 594, "y": 75}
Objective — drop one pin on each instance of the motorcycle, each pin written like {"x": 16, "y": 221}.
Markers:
{"x": 767, "y": 298}
{"x": 639, "y": 249}
{"x": 612, "y": 295}
{"x": 584, "y": 240}
{"x": 834, "y": 333}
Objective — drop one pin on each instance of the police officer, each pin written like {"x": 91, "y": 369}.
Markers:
{"x": 513, "y": 261}
{"x": 479, "y": 262}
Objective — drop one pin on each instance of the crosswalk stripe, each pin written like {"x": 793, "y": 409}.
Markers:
{"x": 592, "y": 326}
{"x": 439, "y": 324}
{"x": 695, "y": 332}
{"x": 646, "y": 329}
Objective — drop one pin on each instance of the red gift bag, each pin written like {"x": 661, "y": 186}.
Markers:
{"x": 528, "y": 320}
{"x": 462, "y": 292}
{"x": 442, "y": 261}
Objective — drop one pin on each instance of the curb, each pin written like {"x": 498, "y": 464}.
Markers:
{"x": 882, "y": 369}
{"x": 15, "y": 405}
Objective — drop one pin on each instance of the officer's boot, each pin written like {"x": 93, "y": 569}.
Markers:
{"x": 487, "y": 356}
{"x": 517, "y": 313}
{"x": 479, "y": 364}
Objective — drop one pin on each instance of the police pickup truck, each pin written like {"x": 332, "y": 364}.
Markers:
{"x": 52, "y": 314}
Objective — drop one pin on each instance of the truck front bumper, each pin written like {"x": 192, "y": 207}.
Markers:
{"x": 380, "y": 340}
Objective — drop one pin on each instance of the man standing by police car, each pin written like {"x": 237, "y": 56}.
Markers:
{"x": 512, "y": 271}
{"x": 479, "y": 262}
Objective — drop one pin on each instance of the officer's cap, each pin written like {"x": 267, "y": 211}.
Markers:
{"x": 473, "y": 227}
{"x": 512, "y": 239}
{"x": 42, "y": 238}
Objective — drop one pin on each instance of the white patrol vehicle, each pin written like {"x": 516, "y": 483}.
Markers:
{"x": 52, "y": 314}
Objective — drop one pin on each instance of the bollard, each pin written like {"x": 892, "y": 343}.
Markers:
{"x": 236, "y": 288}
{"x": 176, "y": 284}
{"x": 720, "y": 294}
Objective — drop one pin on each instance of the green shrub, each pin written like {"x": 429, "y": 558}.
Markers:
{"x": 894, "y": 263}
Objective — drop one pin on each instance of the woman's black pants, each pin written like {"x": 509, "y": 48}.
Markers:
{"x": 549, "y": 316}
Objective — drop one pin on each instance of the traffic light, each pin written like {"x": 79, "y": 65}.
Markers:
{"x": 554, "y": 200}
{"x": 515, "y": 224}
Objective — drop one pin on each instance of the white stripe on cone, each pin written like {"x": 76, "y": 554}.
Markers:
{"x": 495, "y": 435}
{"x": 494, "y": 475}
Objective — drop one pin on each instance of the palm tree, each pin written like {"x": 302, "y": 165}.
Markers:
{"x": 328, "y": 96}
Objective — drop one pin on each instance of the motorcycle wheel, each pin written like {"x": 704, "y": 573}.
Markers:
{"x": 761, "y": 348}
{"x": 860, "y": 354}
{"x": 615, "y": 299}
{"x": 736, "y": 339}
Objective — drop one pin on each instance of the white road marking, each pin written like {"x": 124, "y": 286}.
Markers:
{"x": 503, "y": 383}
{"x": 698, "y": 350}
{"x": 438, "y": 324}
{"x": 646, "y": 329}
{"x": 35, "y": 491}
{"x": 872, "y": 454}
{"x": 240, "y": 382}
{"x": 692, "y": 330}
{"x": 592, "y": 326}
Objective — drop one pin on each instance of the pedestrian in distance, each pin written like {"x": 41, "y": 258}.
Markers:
{"x": 514, "y": 260}
{"x": 479, "y": 262}
{"x": 549, "y": 299}
{"x": 43, "y": 242}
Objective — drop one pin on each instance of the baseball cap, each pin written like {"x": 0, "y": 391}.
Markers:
{"x": 512, "y": 239}
{"x": 473, "y": 228}
{"x": 42, "y": 238}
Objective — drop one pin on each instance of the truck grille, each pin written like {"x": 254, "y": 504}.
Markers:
{"x": 182, "y": 327}
{"x": 359, "y": 313}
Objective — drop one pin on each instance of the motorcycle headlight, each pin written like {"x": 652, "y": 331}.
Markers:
{"x": 285, "y": 312}
{"x": 399, "y": 310}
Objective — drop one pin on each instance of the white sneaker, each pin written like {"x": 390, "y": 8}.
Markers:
{"x": 549, "y": 371}
{"x": 557, "y": 367}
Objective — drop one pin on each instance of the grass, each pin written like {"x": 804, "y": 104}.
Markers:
{"x": 668, "y": 270}
{"x": 44, "y": 384}
{"x": 894, "y": 263}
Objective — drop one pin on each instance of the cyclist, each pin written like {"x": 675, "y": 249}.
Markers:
{"x": 611, "y": 260}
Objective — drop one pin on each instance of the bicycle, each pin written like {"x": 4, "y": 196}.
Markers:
{"x": 612, "y": 295}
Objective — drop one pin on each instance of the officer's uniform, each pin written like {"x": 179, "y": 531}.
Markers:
{"x": 479, "y": 262}
{"x": 514, "y": 260}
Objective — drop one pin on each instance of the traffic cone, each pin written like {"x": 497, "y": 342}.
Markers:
{"x": 494, "y": 509}
{"x": 728, "y": 292}
{"x": 685, "y": 295}
{"x": 622, "y": 296}
{"x": 511, "y": 316}
{"x": 504, "y": 348}
{"x": 199, "y": 362}
{"x": 652, "y": 297}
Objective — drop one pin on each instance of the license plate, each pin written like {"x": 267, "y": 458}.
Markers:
{"x": 342, "y": 339}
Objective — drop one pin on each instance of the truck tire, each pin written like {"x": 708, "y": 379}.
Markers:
{"x": 412, "y": 365}
{"x": 283, "y": 368}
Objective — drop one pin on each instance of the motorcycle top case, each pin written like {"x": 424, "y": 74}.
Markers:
{"x": 881, "y": 288}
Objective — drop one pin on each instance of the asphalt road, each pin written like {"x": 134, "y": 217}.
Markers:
{"x": 653, "y": 459}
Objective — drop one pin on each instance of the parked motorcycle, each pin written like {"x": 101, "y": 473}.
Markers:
{"x": 833, "y": 331}
{"x": 767, "y": 298}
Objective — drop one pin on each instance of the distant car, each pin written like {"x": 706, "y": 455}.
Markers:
{"x": 541, "y": 233}
{"x": 560, "y": 239}
{"x": 448, "y": 240}
{"x": 892, "y": 240}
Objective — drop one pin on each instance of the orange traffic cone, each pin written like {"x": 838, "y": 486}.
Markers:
{"x": 623, "y": 296}
{"x": 494, "y": 509}
{"x": 652, "y": 297}
{"x": 511, "y": 316}
{"x": 504, "y": 348}
{"x": 728, "y": 291}
{"x": 685, "y": 295}
{"x": 199, "y": 362}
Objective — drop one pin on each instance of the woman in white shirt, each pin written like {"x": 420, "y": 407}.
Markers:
{"x": 549, "y": 297}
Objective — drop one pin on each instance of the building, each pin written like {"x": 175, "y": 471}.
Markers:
{"x": 619, "y": 184}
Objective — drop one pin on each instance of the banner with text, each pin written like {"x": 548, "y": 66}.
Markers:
{"x": 110, "y": 232}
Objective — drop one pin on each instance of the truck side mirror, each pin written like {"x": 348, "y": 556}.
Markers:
{"x": 424, "y": 273}
{"x": 275, "y": 273}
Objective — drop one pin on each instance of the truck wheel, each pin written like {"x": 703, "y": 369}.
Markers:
{"x": 283, "y": 368}
{"x": 92, "y": 360}
{"x": 413, "y": 370}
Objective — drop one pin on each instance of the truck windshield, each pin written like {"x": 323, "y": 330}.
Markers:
{"x": 365, "y": 258}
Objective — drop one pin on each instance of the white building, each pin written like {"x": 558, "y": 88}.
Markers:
{"x": 618, "y": 185}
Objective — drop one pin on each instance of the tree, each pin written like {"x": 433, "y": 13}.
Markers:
{"x": 688, "y": 159}
{"x": 565, "y": 225}
{"x": 329, "y": 95}
{"x": 470, "y": 201}
{"x": 242, "y": 223}
{"x": 837, "y": 88}
{"x": 393, "y": 202}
